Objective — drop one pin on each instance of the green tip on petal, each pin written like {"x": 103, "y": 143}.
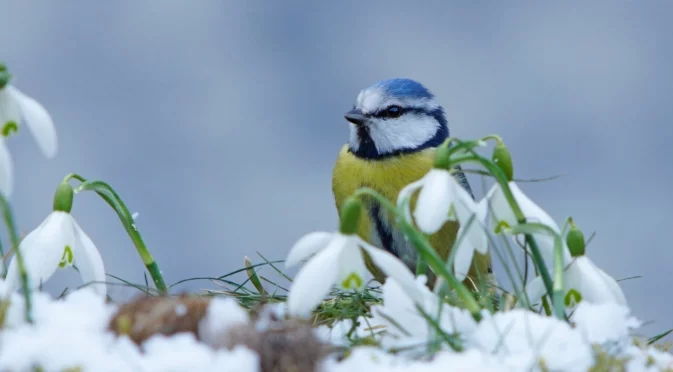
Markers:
{"x": 501, "y": 227}
{"x": 575, "y": 240}
{"x": 503, "y": 159}
{"x": 350, "y": 216}
{"x": 63, "y": 198}
{"x": 67, "y": 258}
{"x": 442, "y": 159}
{"x": 352, "y": 281}
{"x": 10, "y": 127}
{"x": 572, "y": 298}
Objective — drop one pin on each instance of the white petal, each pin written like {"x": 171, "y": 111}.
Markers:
{"x": 463, "y": 258}
{"x": 502, "y": 211}
{"x": 399, "y": 307}
{"x": 590, "y": 282}
{"x": 314, "y": 280}
{"x": 482, "y": 209}
{"x": 42, "y": 250}
{"x": 405, "y": 196}
{"x": 478, "y": 237}
{"x": 582, "y": 277}
{"x": 394, "y": 268}
{"x": 434, "y": 201}
{"x": 89, "y": 261}
{"x": 351, "y": 262}
{"x": 617, "y": 293}
{"x": 499, "y": 207}
{"x": 462, "y": 198}
{"x": 9, "y": 108}
{"x": 6, "y": 171}
{"x": 470, "y": 217}
{"x": 307, "y": 246}
{"x": 532, "y": 211}
{"x": 38, "y": 121}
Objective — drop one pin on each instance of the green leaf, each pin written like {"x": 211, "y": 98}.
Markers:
{"x": 658, "y": 337}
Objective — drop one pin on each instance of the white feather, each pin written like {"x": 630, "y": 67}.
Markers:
{"x": 354, "y": 140}
{"x": 369, "y": 100}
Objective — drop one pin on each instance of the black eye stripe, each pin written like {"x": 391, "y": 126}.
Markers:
{"x": 392, "y": 111}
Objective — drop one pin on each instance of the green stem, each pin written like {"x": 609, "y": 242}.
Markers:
{"x": 461, "y": 145}
{"x": 557, "y": 290}
{"x": 110, "y": 196}
{"x": 426, "y": 252}
{"x": 494, "y": 137}
{"x": 8, "y": 216}
{"x": 421, "y": 267}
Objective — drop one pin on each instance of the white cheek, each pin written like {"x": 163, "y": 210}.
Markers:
{"x": 354, "y": 140}
{"x": 406, "y": 132}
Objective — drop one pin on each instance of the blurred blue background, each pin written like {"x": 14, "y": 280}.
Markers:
{"x": 219, "y": 122}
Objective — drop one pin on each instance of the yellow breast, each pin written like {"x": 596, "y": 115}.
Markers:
{"x": 387, "y": 176}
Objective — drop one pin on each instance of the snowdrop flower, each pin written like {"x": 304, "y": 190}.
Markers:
{"x": 58, "y": 242}
{"x": 337, "y": 258}
{"x": 587, "y": 281}
{"x": 15, "y": 105}
{"x": 584, "y": 278}
{"x": 443, "y": 199}
{"x": 496, "y": 203}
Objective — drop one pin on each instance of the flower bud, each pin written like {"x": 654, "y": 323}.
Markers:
{"x": 350, "y": 216}
{"x": 575, "y": 240}
{"x": 442, "y": 157}
{"x": 63, "y": 198}
{"x": 503, "y": 159}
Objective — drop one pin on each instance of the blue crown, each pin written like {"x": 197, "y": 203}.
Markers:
{"x": 404, "y": 88}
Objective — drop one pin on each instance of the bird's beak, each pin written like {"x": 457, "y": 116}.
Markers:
{"x": 356, "y": 117}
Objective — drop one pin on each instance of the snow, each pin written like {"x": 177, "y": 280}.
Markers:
{"x": 73, "y": 333}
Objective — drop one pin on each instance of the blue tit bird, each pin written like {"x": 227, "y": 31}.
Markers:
{"x": 395, "y": 128}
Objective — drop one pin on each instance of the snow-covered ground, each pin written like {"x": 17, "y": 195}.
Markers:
{"x": 72, "y": 334}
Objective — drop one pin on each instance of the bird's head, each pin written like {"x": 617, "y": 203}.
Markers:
{"x": 394, "y": 117}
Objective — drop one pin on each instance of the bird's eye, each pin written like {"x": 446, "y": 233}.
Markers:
{"x": 393, "y": 111}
